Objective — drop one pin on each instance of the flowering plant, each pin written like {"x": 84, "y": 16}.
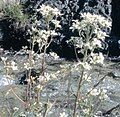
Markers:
{"x": 91, "y": 32}
{"x": 42, "y": 70}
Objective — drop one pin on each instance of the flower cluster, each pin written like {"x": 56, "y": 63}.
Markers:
{"x": 63, "y": 114}
{"x": 96, "y": 19}
{"x": 9, "y": 64}
{"x": 47, "y": 10}
{"x": 81, "y": 65}
{"x": 91, "y": 32}
{"x": 92, "y": 24}
{"x": 42, "y": 31}
{"x": 54, "y": 55}
{"x": 57, "y": 23}
{"x": 44, "y": 34}
{"x": 101, "y": 92}
{"x": 93, "y": 20}
{"x": 95, "y": 92}
{"x": 97, "y": 58}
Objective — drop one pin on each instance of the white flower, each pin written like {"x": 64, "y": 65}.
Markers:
{"x": 14, "y": 68}
{"x": 100, "y": 58}
{"x": 94, "y": 22}
{"x": 88, "y": 16}
{"x": 39, "y": 115}
{"x": 53, "y": 33}
{"x": 96, "y": 19}
{"x": 41, "y": 78}
{"x": 88, "y": 45}
{"x": 85, "y": 65}
{"x": 86, "y": 111}
{"x": 96, "y": 42}
{"x": 95, "y": 92}
{"x": 96, "y": 116}
{"x": 22, "y": 115}
{"x": 4, "y": 58}
{"x": 63, "y": 114}
{"x": 34, "y": 29}
{"x": 53, "y": 76}
{"x": 47, "y": 76}
{"x": 76, "y": 24}
{"x": 44, "y": 78}
{"x": 54, "y": 55}
{"x": 15, "y": 108}
{"x": 39, "y": 87}
{"x": 47, "y": 10}
{"x": 87, "y": 77}
{"x": 13, "y": 65}
{"x": 57, "y": 23}
{"x": 104, "y": 95}
{"x": 27, "y": 66}
{"x": 44, "y": 34}
{"x": 101, "y": 35}
{"x": 97, "y": 58}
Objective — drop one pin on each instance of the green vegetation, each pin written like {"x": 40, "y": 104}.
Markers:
{"x": 13, "y": 11}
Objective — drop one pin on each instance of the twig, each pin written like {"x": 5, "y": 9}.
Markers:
{"x": 78, "y": 94}
{"x": 96, "y": 84}
{"x": 110, "y": 110}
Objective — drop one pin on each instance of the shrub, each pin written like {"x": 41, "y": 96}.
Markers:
{"x": 37, "y": 99}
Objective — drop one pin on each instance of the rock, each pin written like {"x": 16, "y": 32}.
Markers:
{"x": 4, "y": 81}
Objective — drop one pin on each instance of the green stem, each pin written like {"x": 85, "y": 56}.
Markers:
{"x": 78, "y": 94}
{"x": 81, "y": 78}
